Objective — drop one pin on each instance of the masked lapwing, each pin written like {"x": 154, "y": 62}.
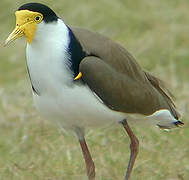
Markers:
{"x": 82, "y": 79}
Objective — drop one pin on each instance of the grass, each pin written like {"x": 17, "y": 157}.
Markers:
{"x": 156, "y": 32}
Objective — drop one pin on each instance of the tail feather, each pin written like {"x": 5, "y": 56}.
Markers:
{"x": 172, "y": 125}
{"x": 160, "y": 86}
{"x": 179, "y": 123}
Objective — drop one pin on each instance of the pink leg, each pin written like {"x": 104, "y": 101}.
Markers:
{"x": 134, "y": 147}
{"x": 90, "y": 167}
{"x": 88, "y": 160}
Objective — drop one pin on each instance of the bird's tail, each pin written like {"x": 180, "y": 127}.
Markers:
{"x": 172, "y": 125}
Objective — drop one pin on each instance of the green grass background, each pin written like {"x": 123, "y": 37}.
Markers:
{"x": 156, "y": 33}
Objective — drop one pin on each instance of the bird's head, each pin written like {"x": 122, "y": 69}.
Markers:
{"x": 28, "y": 16}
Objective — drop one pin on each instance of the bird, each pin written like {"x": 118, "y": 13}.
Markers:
{"x": 82, "y": 79}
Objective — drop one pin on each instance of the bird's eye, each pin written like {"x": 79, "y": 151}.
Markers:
{"x": 37, "y": 18}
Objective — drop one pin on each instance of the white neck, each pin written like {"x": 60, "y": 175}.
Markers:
{"x": 47, "y": 56}
{"x": 56, "y": 32}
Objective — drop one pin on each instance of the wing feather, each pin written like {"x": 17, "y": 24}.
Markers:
{"x": 115, "y": 76}
{"x": 119, "y": 91}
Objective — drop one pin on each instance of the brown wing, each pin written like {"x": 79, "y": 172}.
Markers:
{"x": 168, "y": 96}
{"x": 115, "y": 76}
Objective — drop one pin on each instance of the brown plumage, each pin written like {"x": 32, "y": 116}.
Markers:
{"x": 104, "y": 66}
{"x": 115, "y": 76}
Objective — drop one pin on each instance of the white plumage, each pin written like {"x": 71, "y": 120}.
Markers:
{"x": 54, "y": 54}
{"x": 59, "y": 98}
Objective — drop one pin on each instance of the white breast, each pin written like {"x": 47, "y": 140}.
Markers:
{"x": 59, "y": 98}
{"x": 47, "y": 56}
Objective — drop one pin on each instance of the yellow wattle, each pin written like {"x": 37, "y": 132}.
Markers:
{"x": 26, "y": 23}
{"x": 29, "y": 31}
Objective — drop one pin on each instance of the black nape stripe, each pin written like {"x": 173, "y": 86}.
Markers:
{"x": 76, "y": 52}
{"x": 48, "y": 14}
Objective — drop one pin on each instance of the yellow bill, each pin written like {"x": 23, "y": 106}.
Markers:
{"x": 26, "y": 24}
{"x": 17, "y": 32}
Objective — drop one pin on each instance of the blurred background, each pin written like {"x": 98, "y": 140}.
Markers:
{"x": 156, "y": 33}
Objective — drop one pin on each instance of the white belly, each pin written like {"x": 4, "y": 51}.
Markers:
{"x": 76, "y": 106}
{"x": 59, "y": 98}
